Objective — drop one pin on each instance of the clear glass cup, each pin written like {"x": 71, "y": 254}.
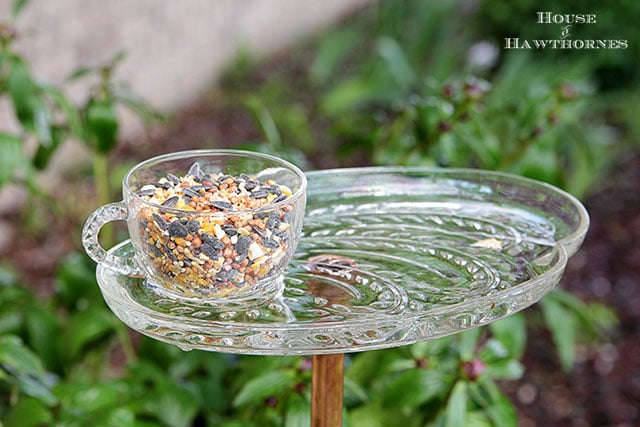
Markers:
{"x": 194, "y": 247}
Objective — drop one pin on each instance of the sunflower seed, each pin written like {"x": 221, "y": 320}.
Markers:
{"x": 280, "y": 198}
{"x": 195, "y": 171}
{"x": 157, "y": 252}
{"x": 171, "y": 177}
{"x": 146, "y": 192}
{"x": 274, "y": 189}
{"x": 209, "y": 250}
{"x": 176, "y": 229}
{"x": 193, "y": 225}
{"x": 164, "y": 185}
{"x": 242, "y": 245}
{"x": 230, "y": 230}
{"x": 258, "y": 231}
{"x": 190, "y": 192}
{"x": 212, "y": 241}
{"x": 171, "y": 202}
{"x": 260, "y": 193}
{"x": 270, "y": 243}
{"x": 222, "y": 205}
{"x": 160, "y": 222}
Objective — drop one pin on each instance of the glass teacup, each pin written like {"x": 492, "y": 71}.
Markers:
{"x": 207, "y": 223}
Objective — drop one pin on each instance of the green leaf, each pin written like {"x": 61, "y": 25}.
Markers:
{"x": 119, "y": 417}
{"x": 117, "y": 58}
{"x": 368, "y": 367}
{"x": 45, "y": 152}
{"x": 91, "y": 404}
{"x": 44, "y": 331}
{"x": 18, "y": 6}
{"x": 15, "y": 354}
{"x": 569, "y": 319}
{"x": 468, "y": 342}
{"x": 25, "y": 366}
{"x": 509, "y": 369}
{"x": 511, "y": 331}
{"x": 425, "y": 385}
{"x": 562, "y": 324}
{"x": 265, "y": 120}
{"x": 456, "y": 410}
{"x": 493, "y": 402}
{"x": 88, "y": 326}
{"x": 430, "y": 348}
{"x": 298, "y": 412}
{"x": 263, "y": 386}
{"x": 371, "y": 415}
{"x": 79, "y": 73}
{"x": 175, "y": 404}
{"x": 23, "y": 93}
{"x": 13, "y": 299}
{"x": 593, "y": 318}
{"x": 28, "y": 412}
{"x": 70, "y": 111}
{"x": 353, "y": 392}
{"x": 493, "y": 350}
{"x": 540, "y": 163}
{"x": 348, "y": 95}
{"x": 12, "y": 158}
{"x": 102, "y": 124}
{"x": 477, "y": 136}
{"x": 143, "y": 370}
{"x": 332, "y": 49}
{"x": 396, "y": 61}
{"x": 158, "y": 352}
{"x": 35, "y": 387}
{"x": 42, "y": 123}
{"x": 76, "y": 281}
{"x": 480, "y": 419}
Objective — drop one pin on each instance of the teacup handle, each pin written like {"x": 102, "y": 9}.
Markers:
{"x": 104, "y": 214}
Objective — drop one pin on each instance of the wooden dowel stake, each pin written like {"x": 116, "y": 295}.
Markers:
{"x": 327, "y": 390}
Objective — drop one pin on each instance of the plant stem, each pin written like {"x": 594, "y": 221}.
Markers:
{"x": 103, "y": 190}
{"x": 125, "y": 341}
{"x": 101, "y": 179}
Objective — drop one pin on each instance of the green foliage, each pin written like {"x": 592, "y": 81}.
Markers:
{"x": 540, "y": 127}
{"x": 46, "y": 115}
{"x": 56, "y": 368}
{"x": 400, "y": 97}
{"x": 450, "y": 381}
{"x": 571, "y": 321}
{"x": 612, "y": 69}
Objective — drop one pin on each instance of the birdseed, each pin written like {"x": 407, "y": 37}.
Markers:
{"x": 199, "y": 234}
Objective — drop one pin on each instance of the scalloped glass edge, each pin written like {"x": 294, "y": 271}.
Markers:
{"x": 328, "y": 337}
{"x": 352, "y": 335}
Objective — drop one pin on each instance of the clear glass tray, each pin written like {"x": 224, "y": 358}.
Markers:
{"x": 388, "y": 257}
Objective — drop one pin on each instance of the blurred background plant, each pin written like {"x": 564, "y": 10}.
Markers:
{"x": 399, "y": 83}
{"x": 48, "y": 118}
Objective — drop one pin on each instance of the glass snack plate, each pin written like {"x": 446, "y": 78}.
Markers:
{"x": 388, "y": 257}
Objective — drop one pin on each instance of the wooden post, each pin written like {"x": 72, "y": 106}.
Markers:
{"x": 327, "y": 390}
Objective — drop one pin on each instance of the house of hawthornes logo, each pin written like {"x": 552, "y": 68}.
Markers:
{"x": 565, "y": 24}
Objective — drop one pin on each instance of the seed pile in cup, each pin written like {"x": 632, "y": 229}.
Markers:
{"x": 207, "y": 254}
